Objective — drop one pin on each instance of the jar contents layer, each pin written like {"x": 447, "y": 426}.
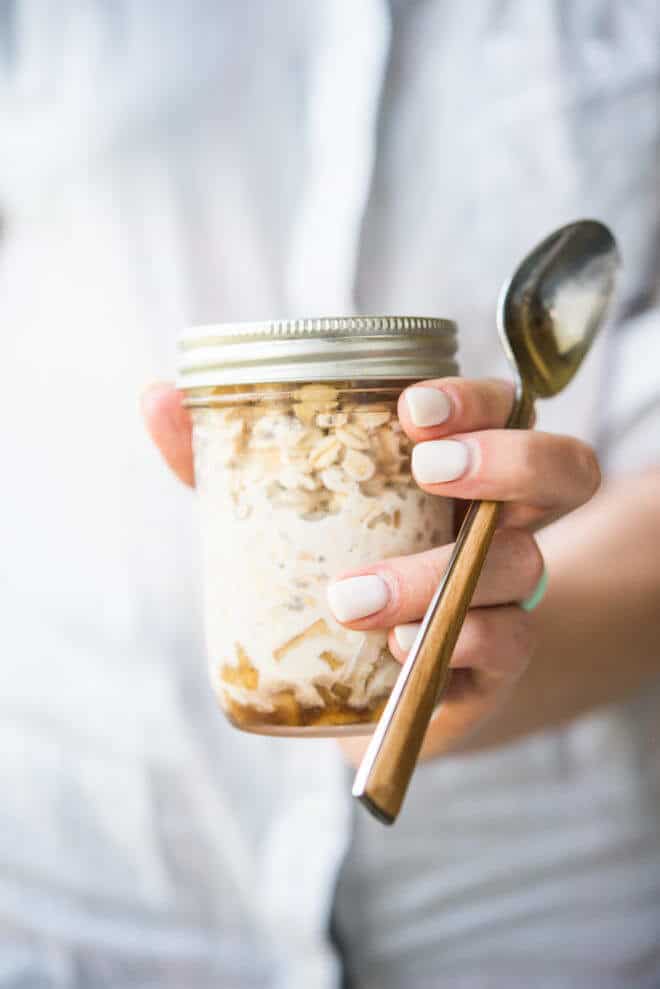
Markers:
{"x": 294, "y": 492}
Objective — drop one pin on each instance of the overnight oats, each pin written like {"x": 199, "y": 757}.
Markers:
{"x": 299, "y": 481}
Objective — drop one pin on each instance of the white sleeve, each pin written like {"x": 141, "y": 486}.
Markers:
{"x": 631, "y": 427}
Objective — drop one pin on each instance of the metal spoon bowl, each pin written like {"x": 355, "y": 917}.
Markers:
{"x": 554, "y": 304}
{"x": 548, "y": 315}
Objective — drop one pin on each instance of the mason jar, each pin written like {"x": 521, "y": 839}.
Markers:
{"x": 303, "y": 473}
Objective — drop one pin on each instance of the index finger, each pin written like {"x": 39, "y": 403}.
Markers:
{"x": 432, "y": 409}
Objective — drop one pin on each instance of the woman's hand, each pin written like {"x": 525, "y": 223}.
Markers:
{"x": 461, "y": 451}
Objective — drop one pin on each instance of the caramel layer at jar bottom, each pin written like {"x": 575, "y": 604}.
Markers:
{"x": 290, "y": 717}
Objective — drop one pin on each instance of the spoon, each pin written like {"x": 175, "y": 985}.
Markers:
{"x": 547, "y": 317}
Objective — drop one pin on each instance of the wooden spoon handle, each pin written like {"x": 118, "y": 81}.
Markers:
{"x": 389, "y": 762}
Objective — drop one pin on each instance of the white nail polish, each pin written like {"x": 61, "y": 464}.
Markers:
{"x": 357, "y": 597}
{"x": 438, "y": 461}
{"x": 427, "y": 406}
{"x": 405, "y": 635}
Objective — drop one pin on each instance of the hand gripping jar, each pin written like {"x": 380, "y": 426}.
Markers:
{"x": 303, "y": 473}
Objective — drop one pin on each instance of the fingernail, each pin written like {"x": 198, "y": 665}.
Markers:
{"x": 357, "y": 597}
{"x": 438, "y": 461}
{"x": 405, "y": 635}
{"x": 427, "y": 406}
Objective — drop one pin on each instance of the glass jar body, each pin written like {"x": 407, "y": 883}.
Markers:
{"x": 299, "y": 483}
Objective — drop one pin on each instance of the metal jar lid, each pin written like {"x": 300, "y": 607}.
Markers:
{"x": 338, "y": 348}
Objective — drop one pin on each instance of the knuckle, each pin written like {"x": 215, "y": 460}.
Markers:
{"x": 487, "y": 400}
{"x": 579, "y": 462}
{"x": 399, "y": 591}
{"x": 480, "y": 404}
{"x": 469, "y": 398}
{"x": 526, "y": 556}
{"x": 429, "y": 570}
{"x": 500, "y": 639}
{"x": 523, "y": 636}
{"x": 402, "y": 599}
{"x": 503, "y": 395}
{"x": 516, "y": 643}
{"x": 479, "y": 631}
{"x": 590, "y": 468}
{"x": 412, "y": 581}
{"x": 530, "y": 462}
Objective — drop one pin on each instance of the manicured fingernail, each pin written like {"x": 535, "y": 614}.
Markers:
{"x": 427, "y": 406}
{"x": 357, "y": 597}
{"x": 438, "y": 461}
{"x": 405, "y": 635}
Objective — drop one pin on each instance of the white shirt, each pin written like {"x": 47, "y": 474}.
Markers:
{"x": 164, "y": 164}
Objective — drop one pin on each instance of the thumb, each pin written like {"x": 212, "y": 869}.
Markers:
{"x": 170, "y": 427}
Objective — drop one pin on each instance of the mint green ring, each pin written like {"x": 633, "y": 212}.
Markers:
{"x": 537, "y": 594}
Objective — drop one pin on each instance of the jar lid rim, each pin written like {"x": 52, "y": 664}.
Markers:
{"x": 317, "y": 348}
{"x": 316, "y": 327}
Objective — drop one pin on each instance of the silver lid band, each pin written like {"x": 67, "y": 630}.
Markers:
{"x": 320, "y": 349}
